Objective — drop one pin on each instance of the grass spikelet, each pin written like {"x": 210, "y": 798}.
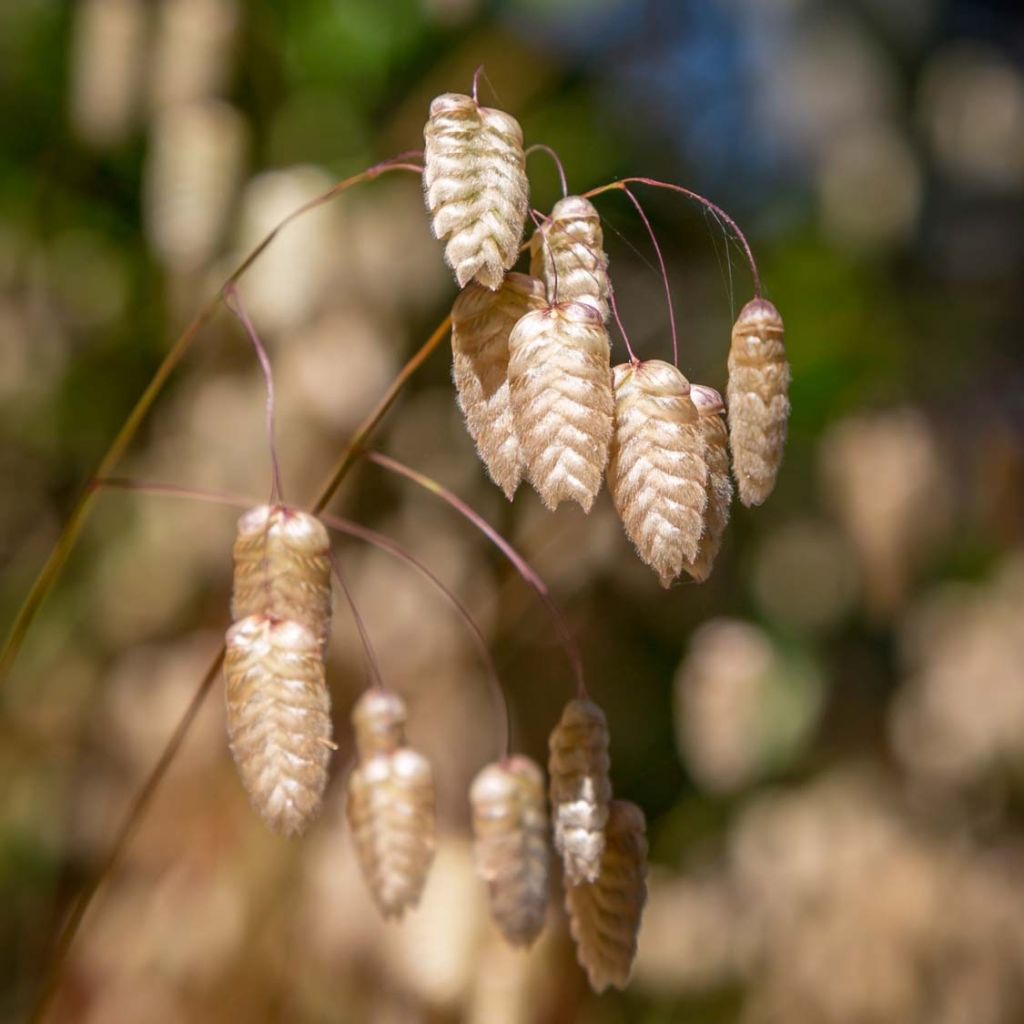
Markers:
{"x": 580, "y": 788}
{"x": 390, "y": 810}
{"x": 379, "y": 718}
{"x": 657, "y": 474}
{"x": 510, "y": 832}
{"x": 567, "y": 253}
{"x": 481, "y": 323}
{"x": 604, "y": 917}
{"x": 278, "y": 718}
{"x": 561, "y": 393}
{"x": 283, "y": 568}
{"x": 758, "y": 401}
{"x": 476, "y": 186}
{"x": 716, "y": 453}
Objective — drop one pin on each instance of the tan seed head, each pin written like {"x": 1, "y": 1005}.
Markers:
{"x": 379, "y": 718}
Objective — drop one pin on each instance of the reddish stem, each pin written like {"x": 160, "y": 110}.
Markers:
{"x": 541, "y": 147}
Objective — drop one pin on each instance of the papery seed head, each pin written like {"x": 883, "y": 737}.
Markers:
{"x": 476, "y": 186}
{"x": 719, "y": 488}
{"x": 757, "y": 396}
{"x": 278, "y": 718}
{"x": 560, "y": 391}
{"x": 510, "y": 831}
{"x": 657, "y": 473}
{"x": 481, "y": 323}
{"x": 390, "y": 810}
{"x": 580, "y": 787}
{"x": 379, "y": 718}
{"x": 567, "y": 253}
{"x": 283, "y": 568}
{"x": 604, "y": 917}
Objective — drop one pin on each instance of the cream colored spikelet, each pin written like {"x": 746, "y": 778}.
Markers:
{"x": 578, "y": 766}
{"x": 278, "y": 718}
{"x": 283, "y": 568}
{"x": 481, "y": 323}
{"x": 390, "y": 806}
{"x": 657, "y": 474}
{"x": 604, "y": 917}
{"x": 757, "y": 396}
{"x": 561, "y": 392}
{"x": 719, "y": 489}
{"x": 476, "y": 186}
{"x": 510, "y": 845}
{"x": 567, "y": 253}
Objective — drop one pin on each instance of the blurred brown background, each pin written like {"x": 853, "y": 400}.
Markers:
{"x": 827, "y": 737}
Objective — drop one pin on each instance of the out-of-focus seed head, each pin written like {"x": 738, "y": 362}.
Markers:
{"x": 604, "y": 916}
{"x": 567, "y": 253}
{"x": 510, "y": 832}
{"x": 481, "y": 323}
{"x": 658, "y": 474}
{"x": 710, "y": 407}
{"x": 476, "y": 186}
{"x": 757, "y": 396}
{"x": 390, "y": 810}
{"x": 278, "y": 718}
{"x": 561, "y": 394}
{"x": 379, "y": 718}
{"x": 580, "y": 788}
{"x": 283, "y": 568}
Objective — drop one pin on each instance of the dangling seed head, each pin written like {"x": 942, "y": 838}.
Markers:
{"x": 278, "y": 718}
{"x": 481, "y": 323}
{"x": 716, "y": 453}
{"x": 657, "y": 473}
{"x": 390, "y": 810}
{"x": 476, "y": 186}
{"x": 379, "y": 718}
{"x": 283, "y": 568}
{"x": 560, "y": 386}
{"x": 567, "y": 253}
{"x": 580, "y": 788}
{"x": 758, "y": 400}
{"x": 604, "y": 917}
{"x": 510, "y": 845}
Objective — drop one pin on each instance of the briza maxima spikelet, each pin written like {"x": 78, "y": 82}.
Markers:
{"x": 476, "y": 186}
{"x": 390, "y": 810}
{"x": 278, "y": 718}
{"x": 481, "y": 323}
{"x": 604, "y": 917}
{"x": 580, "y": 788}
{"x": 657, "y": 474}
{"x": 757, "y": 396}
{"x": 510, "y": 845}
{"x": 716, "y": 453}
{"x": 283, "y": 568}
{"x": 561, "y": 392}
{"x": 567, "y": 253}
{"x": 379, "y": 718}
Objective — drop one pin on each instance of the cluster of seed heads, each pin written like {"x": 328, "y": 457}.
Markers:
{"x": 532, "y": 361}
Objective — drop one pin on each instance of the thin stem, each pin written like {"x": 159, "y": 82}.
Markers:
{"x": 537, "y": 217}
{"x": 378, "y": 540}
{"x": 233, "y": 300}
{"x": 476, "y": 83}
{"x": 565, "y": 635}
{"x": 664, "y": 273}
{"x": 364, "y": 637}
{"x": 697, "y": 198}
{"x": 618, "y": 321}
{"x": 541, "y": 147}
{"x": 68, "y": 536}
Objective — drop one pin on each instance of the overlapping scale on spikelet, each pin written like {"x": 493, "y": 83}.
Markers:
{"x": 657, "y": 473}
{"x": 757, "y": 396}
{"x": 561, "y": 393}
{"x": 510, "y": 845}
{"x": 283, "y": 568}
{"x": 278, "y": 718}
{"x": 580, "y": 788}
{"x": 390, "y": 806}
{"x": 481, "y": 323}
{"x": 604, "y": 916}
{"x": 719, "y": 488}
{"x": 476, "y": 186}
{"x": 567, "y": 253}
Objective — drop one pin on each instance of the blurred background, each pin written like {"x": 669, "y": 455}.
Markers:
{"x": 827, "y": 737}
